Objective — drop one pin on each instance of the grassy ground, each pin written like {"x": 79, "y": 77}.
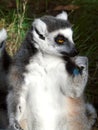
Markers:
{"x": 16, "y": 16}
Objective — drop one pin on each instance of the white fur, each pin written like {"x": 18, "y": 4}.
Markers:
{"x": 3, "y": 35}
{"x": 44, "y": 100}
{"x": 49, "y": 96}
{"x": 45, "y": 80}
{"x": 62, "y": 15}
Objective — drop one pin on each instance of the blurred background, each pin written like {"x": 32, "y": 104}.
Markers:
{"x": 17, "y": 15}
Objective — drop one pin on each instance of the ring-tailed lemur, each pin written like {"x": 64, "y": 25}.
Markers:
{"x": 5, "y": 62}
{"x": 46, "y": 84}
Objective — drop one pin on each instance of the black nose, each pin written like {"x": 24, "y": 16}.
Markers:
{"x": 74, "y": 52}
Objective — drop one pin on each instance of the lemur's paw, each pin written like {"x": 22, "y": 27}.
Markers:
{"x": 15, "y": 126}
{"x": 82, "y": 62}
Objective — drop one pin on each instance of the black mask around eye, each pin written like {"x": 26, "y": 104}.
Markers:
{"x": 60, "y": 39}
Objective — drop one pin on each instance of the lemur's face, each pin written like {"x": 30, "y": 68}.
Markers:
{"x": 53, "y": 35}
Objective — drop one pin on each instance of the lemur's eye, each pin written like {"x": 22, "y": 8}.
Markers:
{"x": 60, "y": 39}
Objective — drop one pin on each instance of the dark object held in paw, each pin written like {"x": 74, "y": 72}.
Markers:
{"x": 73, "y": 69}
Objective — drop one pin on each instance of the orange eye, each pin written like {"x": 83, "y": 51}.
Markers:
{"x": 60, "y": 41}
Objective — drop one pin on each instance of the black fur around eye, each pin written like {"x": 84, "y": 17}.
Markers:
{"x": 60, "y": 39}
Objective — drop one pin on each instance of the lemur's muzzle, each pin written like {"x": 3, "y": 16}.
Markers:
{"x": 73, "y": 52}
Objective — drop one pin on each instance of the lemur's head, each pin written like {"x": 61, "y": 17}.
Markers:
{"x": 53, "y": 35}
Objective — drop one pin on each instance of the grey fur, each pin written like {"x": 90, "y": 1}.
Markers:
{"x": 54, "y": 24}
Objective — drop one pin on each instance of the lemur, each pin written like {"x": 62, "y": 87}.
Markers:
{"x": 47, "y": 80}
{"x": 5, "y": 61}
{"x": 46, "y": 83}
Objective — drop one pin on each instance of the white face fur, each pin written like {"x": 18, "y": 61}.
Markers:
{"x": 48, "y": 44}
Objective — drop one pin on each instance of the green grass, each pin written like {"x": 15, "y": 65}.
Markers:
{"x": 16, "y": 24}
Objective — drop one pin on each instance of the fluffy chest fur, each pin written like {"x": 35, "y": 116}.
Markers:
{"x": 45, "y": 100}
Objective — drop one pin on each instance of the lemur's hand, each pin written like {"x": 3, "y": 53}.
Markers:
{"x": 77, "y": 65}
{"x": 82, "y": 63}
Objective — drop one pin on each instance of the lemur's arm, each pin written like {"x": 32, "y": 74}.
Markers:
{"x": 80, "y": 75}
{"x": 16, "y": 99}
{"x": 80, "y": 115}
{"x": 77, "y": 76}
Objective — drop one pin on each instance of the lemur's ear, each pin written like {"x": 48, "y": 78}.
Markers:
{"x": 62, "y": 15}
{"x": 40, "y": 28}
